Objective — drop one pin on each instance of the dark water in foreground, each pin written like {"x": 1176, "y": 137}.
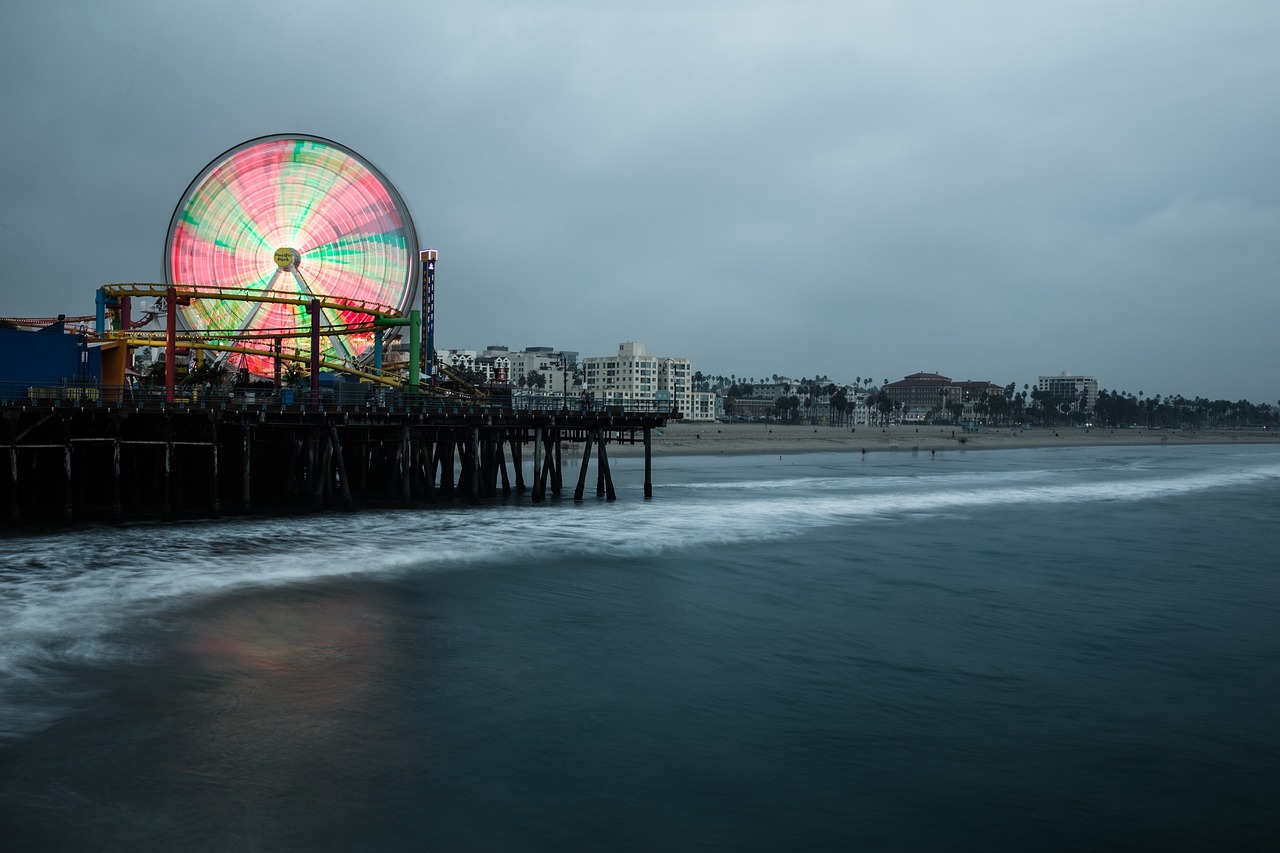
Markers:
{"x": 1050, "y": 650}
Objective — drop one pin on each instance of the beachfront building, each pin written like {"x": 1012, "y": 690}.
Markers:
{"x": 459, "y": 359}
{"x": 635, "y": 379}
{"x": 751, "y": 408}
{"x": 538, "y": 370}
{"x": 817, "y": 402}
{"x": 924, "y": 395}
{"x": 1069, "y": 386}
{"x": 707, "y": 406}
{"x": 861, "y": 411}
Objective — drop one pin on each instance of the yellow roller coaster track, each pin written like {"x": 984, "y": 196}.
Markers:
{"x": 224, "y": 341}
{"x": 244, "y": 294}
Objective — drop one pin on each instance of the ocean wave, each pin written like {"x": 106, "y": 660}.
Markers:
{"x": 67, "y": 600}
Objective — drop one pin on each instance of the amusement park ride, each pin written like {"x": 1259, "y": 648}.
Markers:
{"x": 287, "y": 249}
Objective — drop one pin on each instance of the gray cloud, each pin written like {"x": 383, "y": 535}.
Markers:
{"x": 991, "y": 190}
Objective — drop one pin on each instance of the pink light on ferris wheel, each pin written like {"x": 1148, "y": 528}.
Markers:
{"x": 300, "y": 204}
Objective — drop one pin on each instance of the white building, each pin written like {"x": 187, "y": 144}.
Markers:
{"x": 1070, "y": 387}
{"x": 556, "y": 367}
{"x": 635, "y": 379}
{"x": 706, "y": 406}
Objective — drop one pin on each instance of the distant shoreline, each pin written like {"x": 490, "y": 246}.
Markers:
{"x": 711, "y": 439}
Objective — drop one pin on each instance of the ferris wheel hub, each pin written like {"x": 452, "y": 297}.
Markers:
{"x": 287, "y": 258}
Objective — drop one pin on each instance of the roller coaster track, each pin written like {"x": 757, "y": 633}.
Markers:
{"x": 244, "y": 294}
{"x": 293, "y": 356}
{"x": 391, "y": 377}
{"x": 230, "y": 341}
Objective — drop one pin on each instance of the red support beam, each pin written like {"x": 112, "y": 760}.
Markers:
{"x": 170, "y": 340}
{"x": 314, "y": 310}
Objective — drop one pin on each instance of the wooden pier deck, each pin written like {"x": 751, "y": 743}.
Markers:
{"x": 77, "y": 462}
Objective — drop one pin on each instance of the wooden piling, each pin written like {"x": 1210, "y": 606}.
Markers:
{"x": 15, "y": 502}
{"x": 537, "y": 465}
{"x": 348, "y": 503}
{"x": 319, "y": 463}
{"x": 603, "y": 462}
{"x": 214, "y": 504}
{"x": 115, "y": 465}
{"x": 502, "y": 467}
{"x": 166, "y": 477}
{"x": 557, "y": 477}
{"x": 446, "y": 466}
{"x": 517, "y": 463}
{"x": 473, "y": 482}
{"x": 68, "y": 509}
{"x": 402, "y": 457}
{"x": 586, "y": 461}
{"x": 246, "y": 473}
{"x": 648, "y": 463}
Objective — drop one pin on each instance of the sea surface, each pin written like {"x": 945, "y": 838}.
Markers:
{"x": 1060, "y": 649}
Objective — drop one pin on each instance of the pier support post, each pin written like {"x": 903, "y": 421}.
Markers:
{"x": 117, "y": 509}
{"x": 502, "y": 468}
{"x": 557, "y": 473}
{"x": 296, "y": 471}
{"x": 603, "y": 462}
{"x": 406, "y": 475}
{"x": 319, "y": 449}
{"x": 446, "y": 463}
{"x": 429, "y": 460}
{"x": 68, "y": 509}
{"x": 167, "y": 486}
{"x": 586, "y": 461}
{"x": 246, "y": 478}
{"x": 314, "y": 479}
{"x": 648, "y": 463}
{"x": 517, "y": 463}
{"x": 600, "y": 467}
{"x": 214, "y": 503}
{"x": 473, "y": 483}
{"x": 537, "y": 465}
{"x": 15, "y": 511}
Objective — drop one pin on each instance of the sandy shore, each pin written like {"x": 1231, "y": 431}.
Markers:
{"x": 747, "y": 439}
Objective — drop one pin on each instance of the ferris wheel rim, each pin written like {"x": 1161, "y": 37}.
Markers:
{"x": 412, "y": 283}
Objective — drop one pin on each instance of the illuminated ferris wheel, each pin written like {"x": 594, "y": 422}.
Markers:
{"x": 290, "y": 215}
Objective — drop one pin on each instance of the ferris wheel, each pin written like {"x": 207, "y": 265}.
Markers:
{"x": 293, "y": 216}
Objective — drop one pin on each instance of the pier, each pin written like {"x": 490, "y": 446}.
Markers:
{"x": 79, "y": 460}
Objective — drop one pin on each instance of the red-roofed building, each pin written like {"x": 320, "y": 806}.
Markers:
{"x": 920, "y": 393}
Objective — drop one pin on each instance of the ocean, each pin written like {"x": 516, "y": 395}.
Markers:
{"x": 1055, "y": 649}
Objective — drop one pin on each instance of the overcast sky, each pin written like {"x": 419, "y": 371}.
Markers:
{"x": 989, "y": 190}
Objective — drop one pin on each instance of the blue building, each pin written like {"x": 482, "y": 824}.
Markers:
{"x": 45, "y": 362}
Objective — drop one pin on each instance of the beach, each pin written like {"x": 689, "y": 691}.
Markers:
{"x": 688, "y": 439}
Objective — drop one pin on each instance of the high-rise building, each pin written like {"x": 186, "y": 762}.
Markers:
{"x": 635, "y": 379}
{"x": 1067, "y": 386}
